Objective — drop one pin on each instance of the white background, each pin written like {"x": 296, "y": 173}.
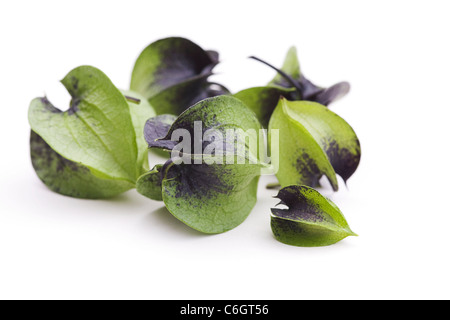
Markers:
{"x": 396, "y": 56}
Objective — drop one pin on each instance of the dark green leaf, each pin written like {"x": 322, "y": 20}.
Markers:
{"x": 263, "y": 100}
{"x": 313, "y": 141}
{"x": 69, "y": 178}
{"x": 220, "y": 114}
{"x": 100, "y": 135}
{"x": 149, "y": 184}
{"x": 173, "y": 74}
{"x": 209, "y": 197}
{"x": 311, "y": 220}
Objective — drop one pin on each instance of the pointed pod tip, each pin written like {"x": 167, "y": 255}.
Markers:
{"x": 335, "y": 187}
{"x": 346, "y": 185}
{"x": 351, "y": 233}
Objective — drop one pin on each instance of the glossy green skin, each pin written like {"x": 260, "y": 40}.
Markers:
{"x": 69, "y": 178}
{"x": 311, "y": 220}
{"x": 166, "y": 63}
{"x": 313, "y": 141}
{"x": 140, "y": 112}
{"x": 96, "y": 148}
{"x": 149, "y": 184}
{"x": 211, "y": 198}
{"x": 263, "y": 100}
{"x": 173, "y": 74}
{"x": 304, "y": 235}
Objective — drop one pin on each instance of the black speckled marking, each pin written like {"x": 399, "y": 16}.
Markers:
{"x": 299, "y": 206}
{"x": 182, "y": 75}
{"x": 182, "y": 60}
{"x": 74, "y": 106}
{"x": 308, "y": 169}
{"x": 343, "y": 161}
{"x": 156, "y": 129}
{"x": 69, "y": 178}
{"x": 49, "y": 106}
{"x": 42, "y": 151}
{"x": 75, "y": 82}
{"x": 184, "y": 95}
{"x": 201, "y": 180}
